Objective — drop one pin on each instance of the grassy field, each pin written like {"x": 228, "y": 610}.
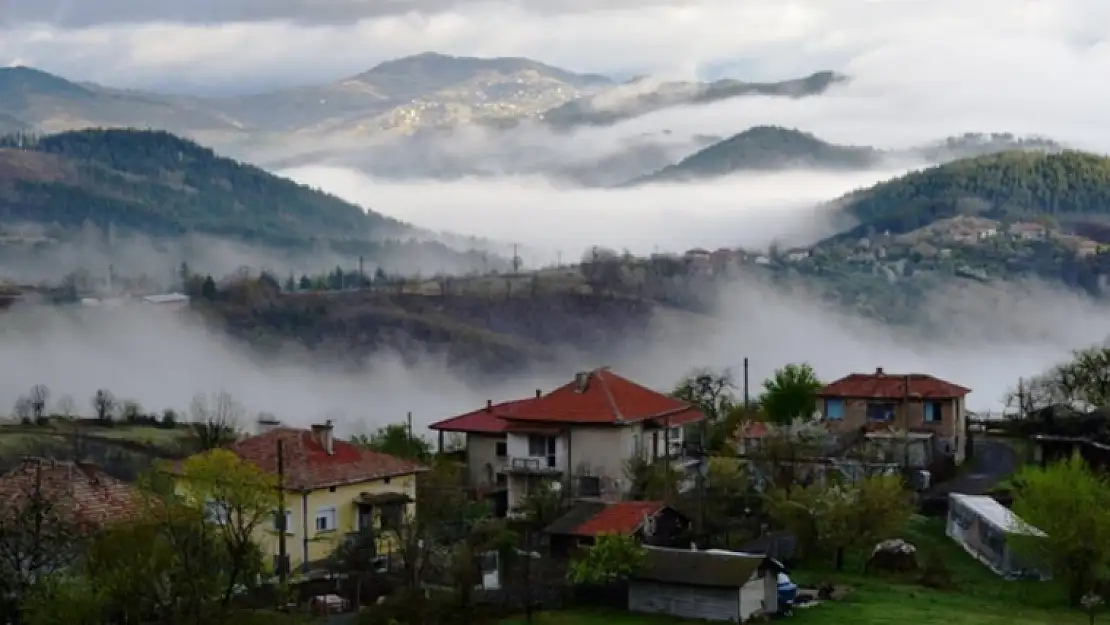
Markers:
{"x": 976, "y": 595}
{"x": 16, "y": 438}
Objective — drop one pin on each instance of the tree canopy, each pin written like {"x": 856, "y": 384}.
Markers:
{"x": 791, "y": 393}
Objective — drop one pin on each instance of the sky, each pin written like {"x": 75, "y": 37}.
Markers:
{"x": 920, "y": 70}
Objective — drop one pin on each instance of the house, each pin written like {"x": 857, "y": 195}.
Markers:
{"x": 654, "y": 522}
{"x": 582, "y": 434}
{"x": 174, "y": 301}
{"x": 710, "y": 585}
{"x": 333, "y": 490}
{"x": 1028, "y": 231}
{"x": 982, "y": 526}
{"x": 913, "y": 402}
{"x": 79, "y": 491}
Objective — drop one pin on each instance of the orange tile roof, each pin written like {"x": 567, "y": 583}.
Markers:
{"x": 308, "y": 466}
{"x": 881, "y": 385}
{"x": 93, "y": 496}
{"x": 604, "y": 397}
{"x": 488, "y": 420}
{"x": 624, "y": 517}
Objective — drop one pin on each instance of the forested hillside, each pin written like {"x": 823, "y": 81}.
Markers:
{"x": 162, "y": 185}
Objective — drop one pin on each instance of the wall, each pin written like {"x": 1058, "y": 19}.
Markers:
{"x": 481, "y": 450}
{"x": 690, "y": 602}
{"x": 950, "y": 428}
{"x": 321, "y": 544}
{"x": 604, "y": 451}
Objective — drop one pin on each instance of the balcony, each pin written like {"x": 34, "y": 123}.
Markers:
{"x": 530, "y": 465}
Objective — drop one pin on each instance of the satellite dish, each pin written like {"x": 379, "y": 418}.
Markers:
{"x": 556, "y": 487}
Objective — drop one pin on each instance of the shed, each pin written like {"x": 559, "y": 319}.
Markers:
{"x": 654, "y": 522}
{"x": 984, "y": 527}
{"x": 711, "y": 585}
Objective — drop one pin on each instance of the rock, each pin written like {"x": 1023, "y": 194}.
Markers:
{"x": 894, "y": 556}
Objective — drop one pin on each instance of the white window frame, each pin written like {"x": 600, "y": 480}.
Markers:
{"x": 288, "y": 522}
{"x": 330, "y": 519}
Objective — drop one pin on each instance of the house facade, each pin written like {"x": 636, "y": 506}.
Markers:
{"x": 582, "y": 435}
{"x": 917, "y": 405}
{"x": 333, "y": 490}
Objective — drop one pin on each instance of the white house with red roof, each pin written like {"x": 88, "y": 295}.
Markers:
{"x": 582, "y": 434}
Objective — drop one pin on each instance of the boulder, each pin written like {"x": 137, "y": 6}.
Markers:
{"x": 893, "y": 556}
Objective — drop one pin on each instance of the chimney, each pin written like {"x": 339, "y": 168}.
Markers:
{"x": 322, "y": 432}
{"x": 489, "y": 405}
{"x": 581, "y": 381}
{"x": 539, "y": 393}
{"x": 878, "y": 371}
{"x": 266, "y": 422}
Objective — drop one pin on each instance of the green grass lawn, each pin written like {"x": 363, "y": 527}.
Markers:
{"x": 976, "y": 596}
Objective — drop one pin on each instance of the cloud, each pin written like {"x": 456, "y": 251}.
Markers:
{"x": 938, "y": 44}
{"x": 748, "y": 210}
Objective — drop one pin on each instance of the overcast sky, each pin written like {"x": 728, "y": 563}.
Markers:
{"x": 236, "y": 45}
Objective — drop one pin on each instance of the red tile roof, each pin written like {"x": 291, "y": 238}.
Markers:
{"x": 308, "y": 466}
{"x": 84, "y": 490}
{"x": 488, "y": 420}
{"x": 881, "y": 385}
{"x": 623, "y": 517}
{"x": 603, "y": 397}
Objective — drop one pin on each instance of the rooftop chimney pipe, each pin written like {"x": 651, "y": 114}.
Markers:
{"x": 489, "y": 405}
{"x": 539, "y": 393}
{"x": 878, "y": 370}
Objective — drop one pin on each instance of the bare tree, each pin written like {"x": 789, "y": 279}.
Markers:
{"x": 22, "y": 408}
{"x": 103, "y": 402}
{"x": 39, "y": 396}
{"x": 214, "y": 420}
{"x": 66, "y": 406}
{"x": 38, "y": 534}
{"x": 1085, "y": 379}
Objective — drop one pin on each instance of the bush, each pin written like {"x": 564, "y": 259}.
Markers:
{"x": 42, "y": 421}
{"x": 26, "y": 420}
{"x": 935, "y": 573}
{"x": 169, "y": 419}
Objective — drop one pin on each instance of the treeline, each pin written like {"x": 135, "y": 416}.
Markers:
{"x": 1007, "y": 185}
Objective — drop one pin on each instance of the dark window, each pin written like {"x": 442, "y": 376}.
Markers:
{"x": 881, "y": 411}
{"x": 932, "y": 412}
{"x": 331, "y": 490}
{"x": 393, "y": 516}
{"x": 502, "y": 479}
{"x": 502, "y": 449}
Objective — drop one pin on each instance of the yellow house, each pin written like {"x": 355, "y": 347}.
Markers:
{"x": 332, "y": 490}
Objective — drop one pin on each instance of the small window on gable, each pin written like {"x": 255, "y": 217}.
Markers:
{"x": 834, "y": 409}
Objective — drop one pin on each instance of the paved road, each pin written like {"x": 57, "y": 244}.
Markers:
{"x": 994, "y": 461}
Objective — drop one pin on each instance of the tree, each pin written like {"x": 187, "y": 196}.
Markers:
{"x": 612, "y": 558}
{"x": 22, "y": 409}
{"x": 208, "y": 289}
{"x": 1069, "y": 503}
{"x": 39, "y": 535}
{"x": 103, "y": 402}
{"x": 710, "y": 391}
{"x": 237, "y": 497}
{"x": 394, "y": 439}
{"x": 214, "y": 420}
{"x": 66, "y": 406}
{"x": 1085, "y": 379}
{"x": 791, "y": 393}
{"x": 38, "y": 396}
{"x": 836, "y": 516}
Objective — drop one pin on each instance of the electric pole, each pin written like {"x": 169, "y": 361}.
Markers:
{"x": 747, "y": 404}
{"x": 516, "y": 259}
{"x": 283, "y": 568}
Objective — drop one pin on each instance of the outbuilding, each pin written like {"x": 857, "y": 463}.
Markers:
{"x": 984, "y": 528}
{"x": 711, "y": 585}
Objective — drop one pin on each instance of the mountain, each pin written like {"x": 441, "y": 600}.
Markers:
{"x": 979, "y": 144}
{"x": 644, "y": 95}
{"x": 11, "y": 124}
{"x": 415, "y": 92}
{"x": 161, "y": 185}
{"x": 765, "y": 148}
{"x": 49, "y": 103}
{"x": 1068, "y": 186}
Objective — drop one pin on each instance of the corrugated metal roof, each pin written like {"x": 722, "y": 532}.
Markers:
{"x": 998, "y": 515}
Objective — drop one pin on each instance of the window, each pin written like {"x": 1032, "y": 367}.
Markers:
{"x": 881, "y": 411}
{"x": 932, "y": 412}
{"x": 392, "y": 516}
{"x": 834, "y": 409}
{"x": 216, "y": 512}
{"x": 502, "y": 449}
{"x": 502, "y": 479}
{"x": 540, "y": 446}
{"x": 325, "y": 520}
{"x": 288, "y": 522}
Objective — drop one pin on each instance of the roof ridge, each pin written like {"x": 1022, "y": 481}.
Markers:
{"x": 609, "y": 394}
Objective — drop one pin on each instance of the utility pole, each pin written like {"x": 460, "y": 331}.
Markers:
{"x": 516, "y": 259}
{"x": 747, "y": 403}
{"x": 361, "y": 272}
{"x": 283, "y": 570}
{"x": 906, "y": 422}
{"x": 559, "y": 258}
{"x": 1021, "y": 398}
{"x": 408, "y": 426}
